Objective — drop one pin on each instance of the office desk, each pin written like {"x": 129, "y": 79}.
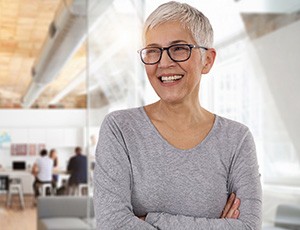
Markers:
{"x": 26, "y": 177}
{"x": 62, "y": 175}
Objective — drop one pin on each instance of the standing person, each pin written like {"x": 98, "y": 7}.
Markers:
{"x": 54, "y": 157}
{"x": 42, "y": 170}
{"x": 77, "y": 167}
{"x": 173, "y": 164}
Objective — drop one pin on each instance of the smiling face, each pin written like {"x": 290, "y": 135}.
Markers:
{"x": 175, "y": 82}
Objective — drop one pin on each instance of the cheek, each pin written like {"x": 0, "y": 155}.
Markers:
{"x": 196, "y": 68}
{"x": 192, "y": 69}
{"x": 193, "y": 63}
{"x": 150, "y": 70}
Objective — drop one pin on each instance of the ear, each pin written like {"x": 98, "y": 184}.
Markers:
{"x": 209, "y": 60}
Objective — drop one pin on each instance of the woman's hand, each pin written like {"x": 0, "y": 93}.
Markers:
{"x": 231, "y": 209}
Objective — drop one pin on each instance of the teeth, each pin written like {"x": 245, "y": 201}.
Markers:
{"x": 171, "y": 78}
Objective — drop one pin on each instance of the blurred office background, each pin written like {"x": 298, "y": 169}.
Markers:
{"x": 64, "y": 64}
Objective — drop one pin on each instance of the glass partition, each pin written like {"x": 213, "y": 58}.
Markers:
{"x": 115, "y": 78}
{"x": 253, "y": 80}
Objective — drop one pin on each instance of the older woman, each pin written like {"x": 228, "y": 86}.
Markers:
{"x": 172, "y": 164}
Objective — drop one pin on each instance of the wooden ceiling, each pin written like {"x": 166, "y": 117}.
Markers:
{"x": 23, "y": 29}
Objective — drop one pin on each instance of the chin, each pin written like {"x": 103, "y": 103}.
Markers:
{"x": 171, "y": 100}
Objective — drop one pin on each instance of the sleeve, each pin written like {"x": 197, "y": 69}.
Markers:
{"x": 244, "y": 180}
{"x": 69, "y": 167}
{"x": 112, "y": 182}
{"x": 55, "y": 162}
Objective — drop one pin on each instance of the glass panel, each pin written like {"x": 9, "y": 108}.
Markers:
{"x": 115, "y": 75}
{"x": 254, "y": 79}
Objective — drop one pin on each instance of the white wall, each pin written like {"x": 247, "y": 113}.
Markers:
{"x": 42, "y": 118}
{"x": 60, "y": 129}
{"x": 279, "y": 55}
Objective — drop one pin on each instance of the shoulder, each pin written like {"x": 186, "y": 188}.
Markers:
{"x": 124, "y": 118}
{"x": 83, "y": 157}
{"x": 73, "y": 158}
{"x": 126, "y": 114}
{"x": 38, "y": 160}
{"x": 230, "y": 131}
{"x": 233, "y": 136}
{"x": 230, "y": 126}
{"x": 44, "y": 160}
{"x": 49, "y": 160}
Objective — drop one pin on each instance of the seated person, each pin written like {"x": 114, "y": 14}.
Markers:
{"x": 42, "y": 170}
{"x": 53, "y": 156}
{"x": 77, "y": 167}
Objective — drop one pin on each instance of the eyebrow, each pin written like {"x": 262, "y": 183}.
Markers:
{"x": 171, "y": 43}
{"x": 178, "y": 41}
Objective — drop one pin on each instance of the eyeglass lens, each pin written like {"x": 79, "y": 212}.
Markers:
{"x": 177, "y": 53}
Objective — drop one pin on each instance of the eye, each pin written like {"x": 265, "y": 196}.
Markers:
{"x": 151, "y": 51}
{"x": 179, "y": 48}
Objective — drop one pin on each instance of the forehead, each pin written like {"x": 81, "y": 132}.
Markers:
{"x": 165, "y": 33}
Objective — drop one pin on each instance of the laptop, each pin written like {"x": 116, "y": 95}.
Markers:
{"x": 19, "y": 165}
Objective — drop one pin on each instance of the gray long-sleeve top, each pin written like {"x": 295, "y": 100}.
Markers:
{"x": 138, "y": 172}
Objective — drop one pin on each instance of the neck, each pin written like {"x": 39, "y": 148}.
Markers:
{"x": 184, "y": 115}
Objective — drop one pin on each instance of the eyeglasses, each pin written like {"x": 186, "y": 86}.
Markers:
{"x": 177, "y": 53}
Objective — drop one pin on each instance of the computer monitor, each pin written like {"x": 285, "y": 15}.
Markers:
{"x": 18, "y": 165}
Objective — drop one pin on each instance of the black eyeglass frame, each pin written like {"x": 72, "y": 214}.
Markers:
{"x": 191, "y": 46}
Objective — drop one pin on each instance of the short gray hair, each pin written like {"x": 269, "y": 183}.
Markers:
{"x": 188, "y": 16}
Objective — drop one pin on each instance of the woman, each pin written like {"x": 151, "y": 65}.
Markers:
{"x": 53, "y": 156}
{"x": 173, "y": 164}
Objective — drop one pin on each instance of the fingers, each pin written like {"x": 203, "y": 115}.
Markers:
{"x": 233, "y": 211}
{"x": 236, "y": 214}
{"x": 228, "y": 205}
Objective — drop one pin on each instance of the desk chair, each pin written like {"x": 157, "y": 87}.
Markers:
{"x": 43, "y": 189}
{"x": 81, "y": 187}
{"x": 15, "y": 185}
{"x": 4, "y": 181}
{"x": 77, "y": 189}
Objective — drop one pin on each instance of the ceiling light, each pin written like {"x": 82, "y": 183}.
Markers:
{"x": 66, "y": 34}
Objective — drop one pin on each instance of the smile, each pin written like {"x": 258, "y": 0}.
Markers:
{"x": 166, "y": 79}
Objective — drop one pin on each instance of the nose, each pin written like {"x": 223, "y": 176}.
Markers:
{"x": 165, "y": 60}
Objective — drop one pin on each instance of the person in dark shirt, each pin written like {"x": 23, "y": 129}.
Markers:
{"x": 77, "y": 167}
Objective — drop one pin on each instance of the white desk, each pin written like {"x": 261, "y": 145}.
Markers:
{"x": 26, "y": 177}
{"x": 62, "y": 175}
